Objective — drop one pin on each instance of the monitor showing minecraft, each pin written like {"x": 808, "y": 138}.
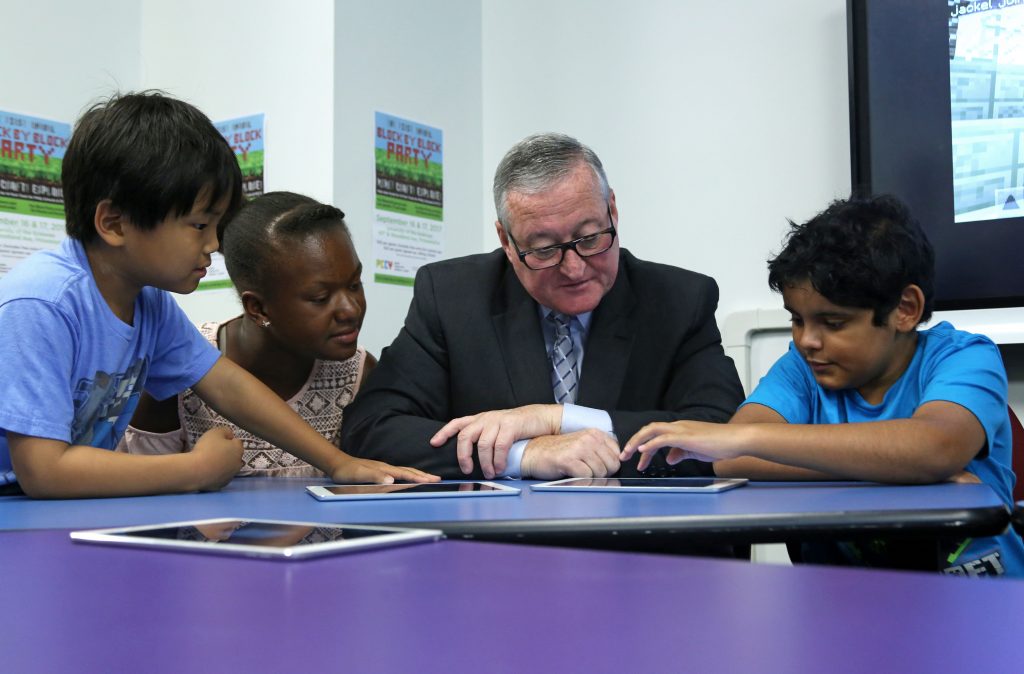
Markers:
{"x": 937, "y": 118}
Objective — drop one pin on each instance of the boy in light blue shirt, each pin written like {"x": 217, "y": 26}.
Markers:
{"x": 862, "y": 393}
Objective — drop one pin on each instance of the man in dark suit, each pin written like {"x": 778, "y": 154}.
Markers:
{"x": 532, "y": 360}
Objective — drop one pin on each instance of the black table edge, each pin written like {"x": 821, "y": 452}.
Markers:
{"x": 741, "y": 529}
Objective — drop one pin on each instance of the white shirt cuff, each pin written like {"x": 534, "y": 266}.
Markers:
{"x": 579, "y": 418}
{"x": 514, "y": 462}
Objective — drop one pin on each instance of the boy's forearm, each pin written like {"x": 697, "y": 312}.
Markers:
{"x": 261, "y": 412}
{"x": 900, "y": 450}
{"x": 52, "y": 469}
{"x": 760, "y": 469}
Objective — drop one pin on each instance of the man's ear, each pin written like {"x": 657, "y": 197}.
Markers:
{"x": 510, "y": 252}
{"x": 253, "y": 307}
{"x": 908, "y": 312}
{"x": 110, "y": 223}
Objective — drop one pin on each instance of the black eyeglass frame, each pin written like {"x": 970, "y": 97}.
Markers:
{"x": 565, "y": 246}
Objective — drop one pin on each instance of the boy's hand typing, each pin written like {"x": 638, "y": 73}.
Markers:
{"x": 378, "y": 472}
{"x": 698, "y": 440}
{"x": 218, "y": 457}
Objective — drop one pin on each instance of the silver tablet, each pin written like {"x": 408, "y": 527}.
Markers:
{"x": 258, "y": 538}
{"x": 673, "y": 485}
{"x": 348, "y": 492}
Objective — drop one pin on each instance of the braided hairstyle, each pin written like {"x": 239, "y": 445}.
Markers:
{"x": 251, "y": 241}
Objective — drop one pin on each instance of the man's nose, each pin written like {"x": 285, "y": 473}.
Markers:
{"x": 572, "y": 263}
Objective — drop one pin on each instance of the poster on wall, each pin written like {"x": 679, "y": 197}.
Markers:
{"x": 31, "y": 198}
{"x": 408, "y": 224}
{"x": 245, "y": 136}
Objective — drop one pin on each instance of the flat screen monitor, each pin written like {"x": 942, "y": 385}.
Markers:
{"x": 937, "y": 119}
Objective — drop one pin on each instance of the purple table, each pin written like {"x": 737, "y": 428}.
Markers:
{"x": 458, "y": 606}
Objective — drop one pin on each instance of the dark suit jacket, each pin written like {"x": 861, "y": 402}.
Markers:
{"x": 472, "y": 342}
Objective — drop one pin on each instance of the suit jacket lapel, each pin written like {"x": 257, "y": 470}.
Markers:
{"x": 609, "y": 345}
{"x": 517, "y": 328}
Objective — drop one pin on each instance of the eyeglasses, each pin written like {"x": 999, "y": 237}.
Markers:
{"x": 552, "y": 256}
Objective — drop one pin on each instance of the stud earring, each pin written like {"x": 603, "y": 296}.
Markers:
{"x": 265, "y": 324}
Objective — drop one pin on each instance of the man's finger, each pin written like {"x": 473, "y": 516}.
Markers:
{"x": 449, "y": 430}
{"x": 471, "y": 439}
{"x": 609, "y": 454}
{"x": 464, "y": 453}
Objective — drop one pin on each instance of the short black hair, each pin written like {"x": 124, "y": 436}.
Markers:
{"x": 151, "y": 155}
{"x": 859, "y": 252}
{"x": 250, "y": 240}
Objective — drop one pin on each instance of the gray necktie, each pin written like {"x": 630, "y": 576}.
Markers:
{"x": 564, "y": 376}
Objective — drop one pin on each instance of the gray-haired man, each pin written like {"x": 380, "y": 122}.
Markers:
{"x": 531, "y": 360}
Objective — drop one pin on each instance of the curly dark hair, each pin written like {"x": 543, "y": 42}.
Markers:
{"x": 859, "y": 252}
{"x": 250, "y": 240}
{"x": 151, "y": 155}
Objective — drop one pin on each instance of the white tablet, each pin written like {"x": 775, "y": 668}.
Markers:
{"x": 258, "y": 538}
{"x": 673, "y": 485}
{"x": 348, "y": 492}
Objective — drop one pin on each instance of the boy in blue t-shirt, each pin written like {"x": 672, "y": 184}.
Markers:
{"x": 858, "y": 279}
{"x": 85, "y": 328}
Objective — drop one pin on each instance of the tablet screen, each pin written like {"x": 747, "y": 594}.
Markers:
{"x": 259, "y": 538}
{"x": 434, "y": 488}
{"x": 242, "y": 532}
{"x": 658, "y": 482}
{"x": 644, "y": 484}
{"x": 340, "y": 492}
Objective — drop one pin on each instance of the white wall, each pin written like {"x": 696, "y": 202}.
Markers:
{"x": 69, "y": 64}
{"x": 424, "y": 67}
{"x": 236, "y": 57}
{"x": 715, "y": 121}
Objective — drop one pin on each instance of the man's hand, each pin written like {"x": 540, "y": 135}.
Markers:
{"x": 698, "y": 440}
{"x": 378, "y": 472}
{"x": 588, "y": 453}
{"x": 218, "y": 458}
{"x": 494, "y": 432}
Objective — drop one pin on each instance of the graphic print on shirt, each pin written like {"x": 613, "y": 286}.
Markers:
{"x": 986, "y": 561}
{"x": 104, "y": 405}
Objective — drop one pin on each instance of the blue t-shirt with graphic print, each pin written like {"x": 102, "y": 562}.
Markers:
{"x": 949, "y": 365}
{"x": 72, "y": 370}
